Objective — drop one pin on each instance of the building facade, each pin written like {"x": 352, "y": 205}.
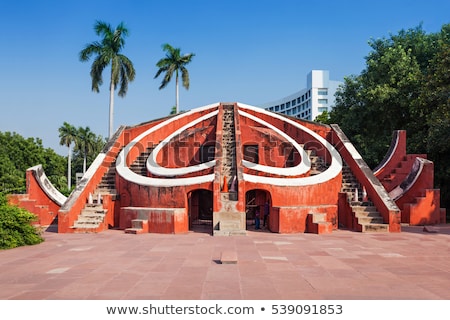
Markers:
{"x": 308, "y": 103}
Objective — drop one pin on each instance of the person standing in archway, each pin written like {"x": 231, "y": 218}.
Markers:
{"x": 266, "y": 213}
{"x": 257, "y": 219}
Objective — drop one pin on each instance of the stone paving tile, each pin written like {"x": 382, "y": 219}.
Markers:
{"x": 113, "y": 265}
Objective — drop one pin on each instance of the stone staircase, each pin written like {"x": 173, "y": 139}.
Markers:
{"x": 365, "y": 216}
{"x": 138, "y": 226}
{"x": 229, "y": 221}
{"x": 228, "y": 145}
{"x": 351, "y": 185}
{"x": 108, "y": 183}
{"x": 368, "y": 219}
{"x": 92, "y": 216}
{"x": 318, "y": 165}
{"x": 317, "y": 223}
{"x": 139, "y": 165}
{"x": 90, "y": 219}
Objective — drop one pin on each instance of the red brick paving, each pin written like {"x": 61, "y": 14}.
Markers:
{"x": 343, "y": 265}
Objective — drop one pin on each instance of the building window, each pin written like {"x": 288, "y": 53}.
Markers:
{"x": 277, "y": 108}
{"x": 322, "y": 92}
{"x": 293, "y": 102}
{"x": 298, "y": 100}
{"x": 282, "y": 106}
{"x": 322, "y": 101}
{"x": 322, "y": 109}
{"x": 288, "y": 104}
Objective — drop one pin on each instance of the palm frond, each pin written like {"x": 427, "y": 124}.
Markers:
{"x": 185, "y": 77}
{"x": 90, "y": 49}
{"x": 96, "y": 73}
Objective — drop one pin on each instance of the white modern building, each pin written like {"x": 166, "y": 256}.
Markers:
{"x": 308, "y": 103}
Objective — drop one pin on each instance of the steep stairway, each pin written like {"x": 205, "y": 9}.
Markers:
{"x": 365, "y": 216}
{"x": 228, "y": 145}
{"x": 229, "y": 221}
{"x": 108, "y": 183}
{"x": 318, "y": 165}
{"x": 139, "y": 165}
{"x": 92, "y": 216}
{"x": 90, "y": 219}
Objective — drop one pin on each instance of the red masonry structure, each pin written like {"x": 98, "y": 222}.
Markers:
{"x": 213, "y": 166}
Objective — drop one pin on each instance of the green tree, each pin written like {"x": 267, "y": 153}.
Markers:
{"x": 174, "y": 62}
{"x": 85, "y": 140}
{"x": 324, "y": 117}
{"x": 405, "y": 85}
{"x": 87, "y": 146}
{"x": 15, "y": 226}
{"x": 107, "y": 52}
{"x": 17, "y": 154}
{"x": 68, "y": 135}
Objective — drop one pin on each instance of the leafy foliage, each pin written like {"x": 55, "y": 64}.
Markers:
{"x": 15, "y": 226}
{"x": 108, "y": 52}
{"x": 87, "y": 146}
{"x": 17, "y": 154}
{"x": 405, "y": 85}
{"x": 172, "y": 63}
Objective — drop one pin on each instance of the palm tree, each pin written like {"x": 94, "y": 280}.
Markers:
{"x": 174, "y": 62}
{"x": 85, "y": 143}
{"x": 108, "y": 53}
{"x": 67, "y": 135}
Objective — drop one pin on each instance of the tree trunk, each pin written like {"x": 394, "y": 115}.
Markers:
{"x": 176, "y": 92}
{"x": 111, "y": 108}
{"x": 69, "y": 171}
{"x": 84, "y": 160}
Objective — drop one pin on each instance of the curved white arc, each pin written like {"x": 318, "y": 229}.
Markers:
{"x": 124, "y": 171}
{"x": 390, "y": 156}
{"x": 332, "y": 171}
{"x": 158, "y": 182}
{"x": 304, "y": 165}
{"x": 155, "y": 168}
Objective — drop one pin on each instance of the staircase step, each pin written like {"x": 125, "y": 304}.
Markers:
{"x": 370, "y": 220}
{"x": 134, "y": 230}
{"x": 375, "y": 227}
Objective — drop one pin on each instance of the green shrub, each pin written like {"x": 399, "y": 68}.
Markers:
{"x": 15, "y": 226}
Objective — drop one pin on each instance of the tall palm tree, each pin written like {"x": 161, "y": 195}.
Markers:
{"x": 174, "y": 62}
{"x": 108, "y": 53}
{"x": 68, "y": 135}
{"x": 85, "y": 143}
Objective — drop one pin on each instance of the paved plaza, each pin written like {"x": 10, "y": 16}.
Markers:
{"x": 112, "y": 265}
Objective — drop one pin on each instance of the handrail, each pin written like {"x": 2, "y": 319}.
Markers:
{"x": 375, "y": 190}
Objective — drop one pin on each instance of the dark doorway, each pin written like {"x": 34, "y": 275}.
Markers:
{"x": 257, "y": 199}
{"x": 200, "y": 210}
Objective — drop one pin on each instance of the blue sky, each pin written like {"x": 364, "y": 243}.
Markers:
{"x": 246, "y": 51}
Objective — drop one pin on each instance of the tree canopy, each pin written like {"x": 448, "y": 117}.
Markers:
{"x": 404, "y": 86}
{"x": 17, "y": 154}
{"x": 108, "y": 52}
{"x": 174, "y": 62}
